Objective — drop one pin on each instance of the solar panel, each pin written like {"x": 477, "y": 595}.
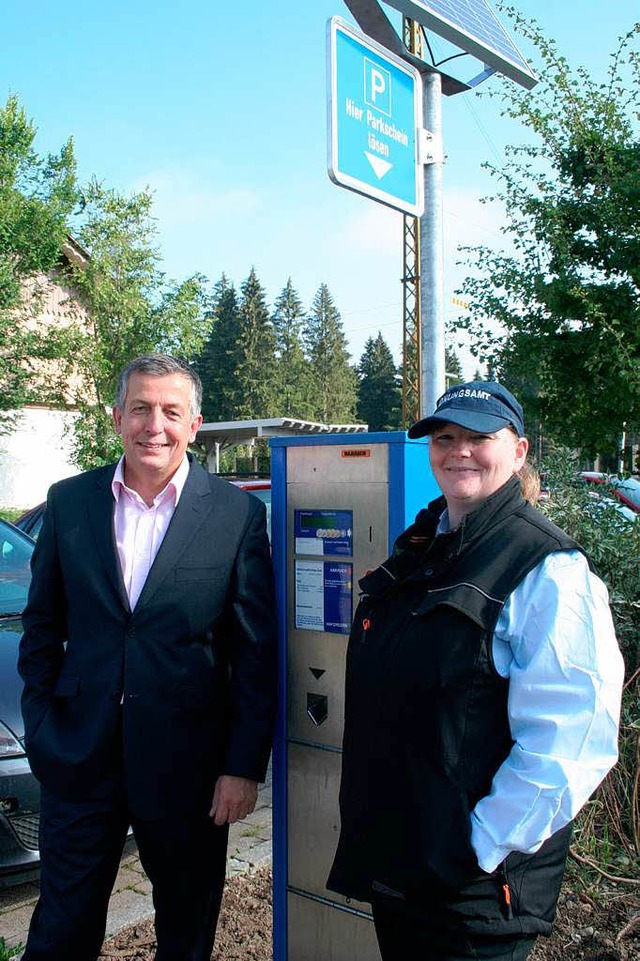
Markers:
{"x": 473, "y": 26}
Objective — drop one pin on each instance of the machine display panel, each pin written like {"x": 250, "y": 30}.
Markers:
{"x": 325, "y": 533}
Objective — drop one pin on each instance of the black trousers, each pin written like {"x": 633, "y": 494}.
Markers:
{"x": 402, "y": 937}
{"x": 80, "y": 846}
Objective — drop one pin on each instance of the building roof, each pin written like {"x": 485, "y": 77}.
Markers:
{"x": 231, "y": 433}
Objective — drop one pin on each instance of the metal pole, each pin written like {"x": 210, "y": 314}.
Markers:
{"x": 411, "y": 333}
{"x": 432, "y": 255}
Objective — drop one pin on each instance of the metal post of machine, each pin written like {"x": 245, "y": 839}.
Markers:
{"x": 338, "y": 503}
{"x": 432, "y": 254}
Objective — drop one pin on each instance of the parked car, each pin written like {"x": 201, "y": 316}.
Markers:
{"x": 260, "y": 488}
{"x": 31, "y": 521}
{"x": 626, "y": 490}
{"x": 19, "y": 790}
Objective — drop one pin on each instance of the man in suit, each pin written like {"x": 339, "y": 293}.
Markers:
{"x": 148, "y": 660}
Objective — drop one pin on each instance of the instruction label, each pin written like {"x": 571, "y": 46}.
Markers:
{"x": 323, "y": 596}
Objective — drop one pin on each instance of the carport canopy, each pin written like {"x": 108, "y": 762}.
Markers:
{"x": 223, "y": 435}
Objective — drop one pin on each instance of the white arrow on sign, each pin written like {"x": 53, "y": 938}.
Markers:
{"x": 380, "y": 167}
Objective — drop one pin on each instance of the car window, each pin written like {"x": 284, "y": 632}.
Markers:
{"x": 631, "y": 490}
{"x": 265, "y": 497}
{"x": 31, "y": 521}
{"x": 15, "y": 571}
{"x": 35, "y": 524}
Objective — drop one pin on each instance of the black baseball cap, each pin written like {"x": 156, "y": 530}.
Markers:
{"x": 480, "y": 405}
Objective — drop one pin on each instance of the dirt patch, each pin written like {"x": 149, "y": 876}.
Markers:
{"x": 608, "y": 930}
{"x": 585, "y": 930}
{"x": 244, "y": 929}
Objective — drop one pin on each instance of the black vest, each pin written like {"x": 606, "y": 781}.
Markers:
{"x": 426, "y": 723}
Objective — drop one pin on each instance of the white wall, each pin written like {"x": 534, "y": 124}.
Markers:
{"x": 34, "y": 456}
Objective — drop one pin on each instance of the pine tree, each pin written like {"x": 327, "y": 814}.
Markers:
{"x": 220, "y": 357}
{"x": 255, "y": 374}
{"x": 379, "y": 395}
{"x": 453, "y": 367}
{"x": 334, "y": 379}
{"x": 292, "y": 385}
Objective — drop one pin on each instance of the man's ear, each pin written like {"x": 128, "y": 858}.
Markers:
{"x": 196, "y": 424}
{"x": 117, "y": 418}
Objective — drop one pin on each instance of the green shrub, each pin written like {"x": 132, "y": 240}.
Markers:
{"x": 11, "y": 514}
{"x": 608, "y": 829}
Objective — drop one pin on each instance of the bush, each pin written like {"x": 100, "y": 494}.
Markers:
{"x": 11, "y": 514}
{"x": 608, "y": 829}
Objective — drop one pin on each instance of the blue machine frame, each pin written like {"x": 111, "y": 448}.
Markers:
{"x": 411, "y": 487}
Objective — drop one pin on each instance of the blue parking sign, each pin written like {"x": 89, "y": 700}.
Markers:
{"x": 375, "y": 115}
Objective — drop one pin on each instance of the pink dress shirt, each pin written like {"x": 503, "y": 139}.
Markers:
{"x": 140, "y": 529}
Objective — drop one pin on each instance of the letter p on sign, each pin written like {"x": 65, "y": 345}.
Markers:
{"x": 377, "y": 87}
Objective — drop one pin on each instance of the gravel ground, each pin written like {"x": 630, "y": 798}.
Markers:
{"x": 608, "y": 930}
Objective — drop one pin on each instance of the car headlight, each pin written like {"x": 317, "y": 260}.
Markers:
{"x": 10, "y": 746}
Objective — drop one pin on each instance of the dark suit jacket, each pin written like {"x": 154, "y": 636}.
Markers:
{"x": 175, "y": 692}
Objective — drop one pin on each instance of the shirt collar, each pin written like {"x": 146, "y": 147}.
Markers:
{"x": 175, "y": 485}
{"x": 444, "y": 524}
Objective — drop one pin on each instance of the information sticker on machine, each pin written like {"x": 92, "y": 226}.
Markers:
{"x": 323, "y": 533}
{"x": 323, "y": 596}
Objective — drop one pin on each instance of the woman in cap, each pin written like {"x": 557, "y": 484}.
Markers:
{"x": 482, "y": 704}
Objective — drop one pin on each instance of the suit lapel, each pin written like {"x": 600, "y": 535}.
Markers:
{"x": 195, "y": 503}
{"x": 100, "y": 520}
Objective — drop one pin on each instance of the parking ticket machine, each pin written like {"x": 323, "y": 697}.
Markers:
{"x": 338, "y": 503}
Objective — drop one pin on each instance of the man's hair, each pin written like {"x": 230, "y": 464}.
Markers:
{"x": 160, "y": 365}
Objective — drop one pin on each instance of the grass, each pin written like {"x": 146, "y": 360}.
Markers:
{"x": 251, "y": 831}
{"x": 7, "y": 953}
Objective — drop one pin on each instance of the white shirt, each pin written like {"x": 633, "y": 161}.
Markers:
{"x": 555, "y": 642}
{"x": 140, "y": 529}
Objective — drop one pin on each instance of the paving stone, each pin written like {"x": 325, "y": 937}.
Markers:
{"x": 128, "y": 907}
{"x": 260, "y": 854}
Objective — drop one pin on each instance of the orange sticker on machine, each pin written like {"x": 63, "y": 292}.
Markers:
{"x": 356, "y": 452}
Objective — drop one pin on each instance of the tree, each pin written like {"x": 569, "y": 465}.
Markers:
{"x": 452, "y": 367}
{"x": 379, "y": 395}
{"x": 132, "y": 309}
{"x": 293, "y": 386}
{"x": 567, "y": 301}
{"x": 492, "y": 374}
{"x": 333, "y": 377}
{"x": 37, "y": 195}
{"x": 255, "y": 372}
{"x": 220, "y": 356}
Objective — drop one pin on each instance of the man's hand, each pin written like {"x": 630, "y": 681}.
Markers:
{"x": 233, "y": 799}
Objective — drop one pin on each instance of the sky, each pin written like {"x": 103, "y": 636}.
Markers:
{"x": 221, "y": 110}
